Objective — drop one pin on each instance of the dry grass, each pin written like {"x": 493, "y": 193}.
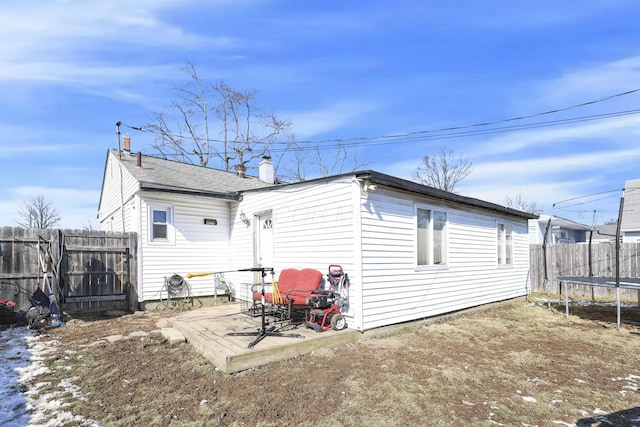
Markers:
{"x": 518, "y": 364}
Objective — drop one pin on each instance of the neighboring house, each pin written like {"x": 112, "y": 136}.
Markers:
{"x": 561, "y": 230}
{"x": 630, "y": 224}
{"x": 411, "y": 251}
{"x": 605, "y": 232}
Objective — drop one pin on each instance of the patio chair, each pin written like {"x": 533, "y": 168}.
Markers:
{"x": 294, "y": 286}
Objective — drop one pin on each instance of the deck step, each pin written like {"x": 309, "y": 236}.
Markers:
{"x": 208, "y": 331}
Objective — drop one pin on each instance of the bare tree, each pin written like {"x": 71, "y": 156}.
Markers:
{"x": 182, "y": 130}
{"x": 300, "y": 163}
{"x": 518, "y": 202}
{"x": 38, "y": 212}
{"x": 247, "y": 133}
{"x": 290, "y": 164}
{"x": 215, "y": 121}
{"x": 444, "y": 170}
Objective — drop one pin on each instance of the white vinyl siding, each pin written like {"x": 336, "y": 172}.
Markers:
{"x": 196, "y": 247}
{"x": 536, "y": 231}
{"x": 395, "y": 291}
{"x": 118, "y": 188}
{"x": 313, "y": 227}
{"x": 631, "y": 236}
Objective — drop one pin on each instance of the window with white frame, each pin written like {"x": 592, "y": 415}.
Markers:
{"x": 160, "y": 222}
{"x": 505, "y": 244}
{"x": 431, "y": 237}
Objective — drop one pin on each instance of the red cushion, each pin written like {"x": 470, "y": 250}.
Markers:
{"x": 288, "y": 279}
{"x": 309, "y": 279}
{"x": 294, "y": 286}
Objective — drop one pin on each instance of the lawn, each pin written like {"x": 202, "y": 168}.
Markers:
{"x": 516, "y": 364}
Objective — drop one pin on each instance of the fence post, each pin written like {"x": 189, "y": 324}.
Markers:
{"x": 132, "y": 301}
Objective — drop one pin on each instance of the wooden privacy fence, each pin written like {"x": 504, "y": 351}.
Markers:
{"x": 88, "y": 270}
{"x": 565, "y": 260}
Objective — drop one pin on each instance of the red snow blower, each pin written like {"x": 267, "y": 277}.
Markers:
{"x": 327, "y": 305}
{"x": 6, "y": 311}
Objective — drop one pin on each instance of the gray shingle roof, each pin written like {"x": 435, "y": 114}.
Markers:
{"x": 566, "y": 224}
{"x": 606, "y": 232}
{"x": 169, "y": 175}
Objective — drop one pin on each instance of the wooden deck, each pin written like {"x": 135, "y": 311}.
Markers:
{"x": 207, "y": 329}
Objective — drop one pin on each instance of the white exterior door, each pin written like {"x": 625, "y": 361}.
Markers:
{"x": 265, "y": 241}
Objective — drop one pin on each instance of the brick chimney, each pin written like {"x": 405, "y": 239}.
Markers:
{"x": 127, "y": 143}
{"x": 265, "y": 170}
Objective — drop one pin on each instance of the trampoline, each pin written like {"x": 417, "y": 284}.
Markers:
{"x": 616, "y": 282}
{"x": 607, "y": 282}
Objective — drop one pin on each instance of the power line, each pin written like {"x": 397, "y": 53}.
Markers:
{"x": 586, "y": 195}
{"x": 557, "y": 110}
{"x": 626, "y": 190}
{"x": 445, "y": 129}
{"x": 470, "y": 133}
{"x": 415, "y": 137}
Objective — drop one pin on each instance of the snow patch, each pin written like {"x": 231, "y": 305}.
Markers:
{"x": 23, "y": 352}
{"x": 631, "y": 383}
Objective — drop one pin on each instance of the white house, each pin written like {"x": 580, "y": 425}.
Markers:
{"x": 561, "y": 230}
{"x": 411, "y": 251}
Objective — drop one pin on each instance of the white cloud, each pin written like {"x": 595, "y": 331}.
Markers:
{"x": 546, "y": 179}
{"x": 70, "y": 26}
{"x": 545, "y": 161}
{"x": 547, "y": 194}
{"x": 88, "y": 74}
{"x": 24, "y": 141}
{"x": 60, "y": 42}
{"x": 307, "y": 124}
{"x": 512, "y": 142}
{"x": 516, "y": 170}
{"x": 20, "y": 149}
{"x": 595, "y": 79}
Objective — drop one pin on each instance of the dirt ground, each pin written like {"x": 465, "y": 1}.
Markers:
{"x": 519, "y": 364}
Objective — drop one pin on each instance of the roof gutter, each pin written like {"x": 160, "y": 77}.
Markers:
{"x": 416, "y": 188}
{"x": 170, "y": 189}
{"x": 409, "y": 187}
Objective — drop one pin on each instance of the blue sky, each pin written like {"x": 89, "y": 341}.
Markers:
{"x": 338, "y": 70}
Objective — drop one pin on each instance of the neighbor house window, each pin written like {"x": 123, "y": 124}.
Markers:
{"x": 505, "y": 244}
{"x": 160, "y": 221}
{"x": 431, "y": 238}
